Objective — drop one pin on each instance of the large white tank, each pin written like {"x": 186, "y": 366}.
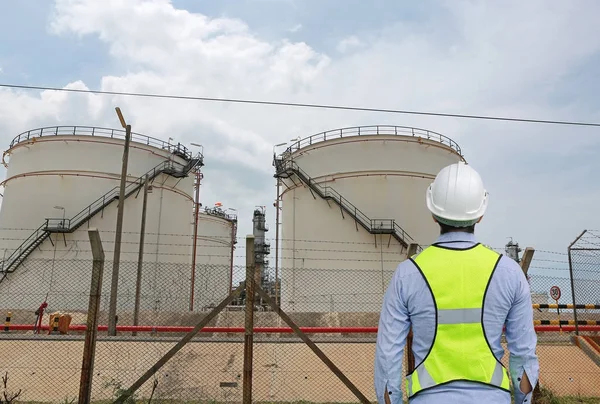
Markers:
{"x": 70, "y": 172}
{"x": 344, "y": 235}
{"x": 217, "y": 235}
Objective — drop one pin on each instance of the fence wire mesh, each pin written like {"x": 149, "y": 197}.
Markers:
{"x": 338, "y": 308}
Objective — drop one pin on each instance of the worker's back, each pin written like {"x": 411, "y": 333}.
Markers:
{"x": 457, "y": 295}
{"x": 506, "y": 285}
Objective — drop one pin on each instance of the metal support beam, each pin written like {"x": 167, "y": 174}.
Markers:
{"x": 412, "y": 249}
{"x": 249, "y": 323}
{"x": 187, "y": 338}
{"x": 526, "y": 260}
{"x": 361, "y": 397}
{"x": 573, "y": 280}
{"x": 91, "y": 333}
{"x": 112, "y": 308}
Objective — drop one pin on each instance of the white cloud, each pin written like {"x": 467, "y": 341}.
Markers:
{"x": 349, "y": 43}
{"x": 494, "y": 59}
{"x": 295, "y": 28}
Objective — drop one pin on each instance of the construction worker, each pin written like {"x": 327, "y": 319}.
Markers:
{"x": 457, "y": 295}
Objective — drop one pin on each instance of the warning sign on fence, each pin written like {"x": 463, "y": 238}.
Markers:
{"x": 555, "y": 292}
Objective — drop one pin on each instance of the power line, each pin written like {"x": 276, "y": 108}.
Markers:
{"x": 303, "y": 105}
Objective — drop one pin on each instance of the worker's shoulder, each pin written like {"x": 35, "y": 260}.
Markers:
{"x": 509, "y": 269}
{"x": 406, "y": 268}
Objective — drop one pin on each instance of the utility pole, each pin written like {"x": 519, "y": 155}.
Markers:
{"x": 112, "y": 309}
{"x": 138, "y": 281}
{"x": 195, "y": 244}
{"x": 277, "y": 243}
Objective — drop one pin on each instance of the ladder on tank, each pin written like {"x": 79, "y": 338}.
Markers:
{"x": 288, "y": 168}
{"x": 49, "y": 226}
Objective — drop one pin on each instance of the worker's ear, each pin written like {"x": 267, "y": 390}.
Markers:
{"x": 434, "y": 219}
{"x": 480, "y": 219}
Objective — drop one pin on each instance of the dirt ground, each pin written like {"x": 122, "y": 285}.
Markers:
{"x": 50, "y": 370}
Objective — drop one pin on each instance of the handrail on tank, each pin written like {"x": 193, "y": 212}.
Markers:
{"x": 58, "y": 224}
{"x": 221, "y": 213}
{"x": 177, "y": 149}
{"x": 373, "y": 225}
{"x": 370, "y": 131}
{"x": 67, "y": 225}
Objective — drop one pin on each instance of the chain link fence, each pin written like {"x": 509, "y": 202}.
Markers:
{"x": 584, "y": 265}
{"x": 44, "y": 363}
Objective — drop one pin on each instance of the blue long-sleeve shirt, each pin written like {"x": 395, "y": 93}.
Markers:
{"x": 408, "y": 301}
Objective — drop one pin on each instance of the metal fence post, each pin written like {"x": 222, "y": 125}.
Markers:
{"x": 114, "y": 286}
{"x": 573, "y": 281}
{"x": 526, "y": 260}
{"x": 89, "y": 347}
{"x": 177, "y": 347}
{"x": 249, "y": 323}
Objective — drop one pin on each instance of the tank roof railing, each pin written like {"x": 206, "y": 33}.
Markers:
{"x": 175, "y": 148}
{"x": 221, "y": 213}
{"x": 371, "y": 131}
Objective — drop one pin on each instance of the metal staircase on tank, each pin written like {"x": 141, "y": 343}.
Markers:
{"x": 288, "y": 168}
{"x": 49, "y": 226}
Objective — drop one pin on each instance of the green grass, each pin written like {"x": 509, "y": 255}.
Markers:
{"x": 547, "y": 397}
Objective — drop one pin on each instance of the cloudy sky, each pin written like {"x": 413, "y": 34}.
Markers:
{"x": 536, "y": 59}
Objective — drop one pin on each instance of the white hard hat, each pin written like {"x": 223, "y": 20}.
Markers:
{"x": 457, "y": 197}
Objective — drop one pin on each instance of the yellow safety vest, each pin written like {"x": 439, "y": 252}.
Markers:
{"x": 458, "y": 280}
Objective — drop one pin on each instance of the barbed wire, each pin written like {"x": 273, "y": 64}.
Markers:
{"x": 551, "y": 252}
{"x": 240, "y": 238}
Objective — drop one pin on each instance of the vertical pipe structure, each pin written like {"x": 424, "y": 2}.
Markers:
{"x": 277, "y": 224}
{"x": 138, "y": 280}
{"x": 249, "y": 323}
{"x": 233, "y": 233}
{"x": 277, "y": 243}
{"x": 573, "y": 281}
{"x": 112, "y": 309}
{"x": 89, "y": 347}
{"x": 195, "y": 244}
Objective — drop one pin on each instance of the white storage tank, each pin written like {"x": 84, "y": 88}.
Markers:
{"x": 353, "y": 199}
{"x": 217, "y": 237}
{"x": 71, "y": 175}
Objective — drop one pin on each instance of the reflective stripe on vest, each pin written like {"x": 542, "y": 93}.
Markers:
{"x": 458, "y": 280}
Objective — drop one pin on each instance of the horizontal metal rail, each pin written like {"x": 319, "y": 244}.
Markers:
{"x": 566, "y": 322}
{"x": 260, "y": 330}
{"x": 221, "y": 213}
{"x": 101, "y": 132}
{"x": 373, "y": 130}
{"x": 567, "y": 306}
